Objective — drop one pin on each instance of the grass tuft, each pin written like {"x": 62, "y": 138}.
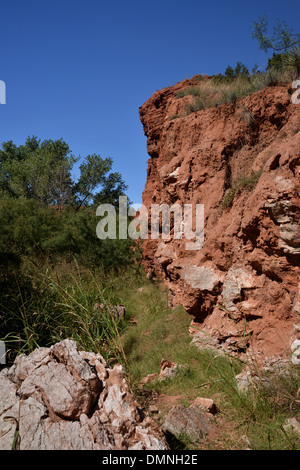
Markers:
{"x": 248, "y": 182}
{"x": 215, "y": 92}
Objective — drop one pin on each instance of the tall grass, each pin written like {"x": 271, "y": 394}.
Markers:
{"x": 93, "y": 328}
{"x": 62, "y": 302}
{"x": 65, "y": 302}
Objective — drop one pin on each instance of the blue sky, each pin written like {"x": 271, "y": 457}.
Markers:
{"x": 80, "y": 69}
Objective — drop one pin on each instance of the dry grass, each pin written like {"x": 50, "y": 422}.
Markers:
{"x": 214, "y": 92}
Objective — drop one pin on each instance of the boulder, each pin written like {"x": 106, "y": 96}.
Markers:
{"x": 191, "y": 422}
{"x": 292, "y": 424}
{"x": 60, "y": 398}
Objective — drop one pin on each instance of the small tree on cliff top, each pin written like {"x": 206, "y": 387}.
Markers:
{"x": 283, "y": 41}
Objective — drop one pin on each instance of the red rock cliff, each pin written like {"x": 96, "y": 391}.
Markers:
{"x": 242, "y": 161}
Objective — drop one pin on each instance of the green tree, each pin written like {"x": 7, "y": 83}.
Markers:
{"x": 276, "y": 62}
{"x": 37, "y": 170}
{"x": 97, "y": 184}
{"x": 282, "y": 41}
{"x": 43, "y": 171}
{"x": 241, "y": 70}
{"x": 46, "y": 214}
{"x": 231, "y": 74}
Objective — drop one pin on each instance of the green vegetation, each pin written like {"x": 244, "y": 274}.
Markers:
{"x": 194, "y": 91}
{"x": 283, "y": 38}
{"x": 42, "y": 171}
{"x": 64, "y": 302}
{"x": 150, "y": 332}
{"x": 247, "y": 182}
{"x": 237, "y": 82}
{"x": 194, "y": 107}
{"x": 158, "y": 332}
{"x": 231, "y": 86}
{"x": 48, "y": 234}
{"x": 284, "y": 43}
{"x": 240, "y": 71}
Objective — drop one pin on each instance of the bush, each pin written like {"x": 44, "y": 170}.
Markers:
{"x": 194, "y": 107}
{"x": 194, "y": 91}
{"x": 292, "y": 60}
{"x": 33, "y": 231}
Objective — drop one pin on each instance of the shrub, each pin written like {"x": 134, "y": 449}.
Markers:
{"x": 194, "y": 91}
{"x": 292, "y": 60}
{"x": 246, "y": 115}
{"x": 194, "y": 107}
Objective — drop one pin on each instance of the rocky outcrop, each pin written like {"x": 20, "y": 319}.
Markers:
{"x": 242, "y": 287}
{"x": 65, "y": 399}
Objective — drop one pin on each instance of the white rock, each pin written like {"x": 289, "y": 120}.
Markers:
{"x": 201, "y": 277}
{"x": 295, "y": 347}
{"x": 59, "y": 402}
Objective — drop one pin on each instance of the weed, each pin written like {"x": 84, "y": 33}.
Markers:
{"x": 246, "y": 182}
{"x": 62, "y": 305}
{"x": 194, "y": 91}
{"x": 246, "y": 116}
{"x": 194, "y": 107}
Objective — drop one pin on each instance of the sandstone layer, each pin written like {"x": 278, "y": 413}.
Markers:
{"x": 242, "y": 286}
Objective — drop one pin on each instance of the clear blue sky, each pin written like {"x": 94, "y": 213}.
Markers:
{"x": 80, "y": 69}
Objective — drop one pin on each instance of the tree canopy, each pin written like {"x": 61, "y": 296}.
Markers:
{"x": 282, "y": 40}
{"x": 46, "y": 213}
{"x": 43, "y": 171}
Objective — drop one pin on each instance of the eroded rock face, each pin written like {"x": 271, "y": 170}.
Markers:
{"x": 65, "y": 399}
{"x": 247, "y": 271}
